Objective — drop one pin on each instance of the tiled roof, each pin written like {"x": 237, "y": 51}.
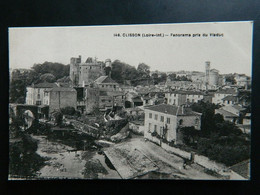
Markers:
{"x": 242, "y": 168}
{"x": 45, "y": 85}
{"x": 230, "y": 98}
{"x": 227, "y": 91}
{"x": 226, "y": 113}
{"x": 172, "y": 110}
{"x": 104, "y": 79}
{"x": 240, "y": 108}
{"x": 65, "y": 89}
{"x": 187, "y": 92}
{"x": 137, "y": 99}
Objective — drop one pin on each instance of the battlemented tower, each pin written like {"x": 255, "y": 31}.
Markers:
{"x": 82, "y": 74}
{"x": 207, "y": 70}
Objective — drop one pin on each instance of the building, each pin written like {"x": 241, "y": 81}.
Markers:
{"x": 231, "y": 113}
{"x": 242, "y": 80}
{"x": 230, "y": 100}
{"x": 35, "y": 93}
{"x": 166, "y": 120}
{"x": 222, "y": 93}
{"x": 60, "y": 97}
{"x": 105, "y": 83}
{"x": 213, "y": 77}
{"x": 83, "y": 74}
{"x": 183, "y": 97}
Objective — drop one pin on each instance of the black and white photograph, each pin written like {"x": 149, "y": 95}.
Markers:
{"x": 149, "y": 101}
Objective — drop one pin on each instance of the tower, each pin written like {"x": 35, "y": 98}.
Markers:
{"x": 207, "y": 70}
{"x": 74, "y": 70}
{"x": 108, "y": 67}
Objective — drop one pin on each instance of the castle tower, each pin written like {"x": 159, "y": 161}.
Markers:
{"x": 74, "y": 70}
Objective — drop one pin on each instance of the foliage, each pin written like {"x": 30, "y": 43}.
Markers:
{"x": 57, "y": 69}
{"x": 219, "y": 140}
{"x": 143, "y": 70}
{"x": 231, "y": 78}
{"x": 189, "y": 135}
{"x": 17, "y": 91}
{"x": 47, "y": 77}
{"x": 122, "y": 71}
{"x": 23, "y": 159}
{"x": 68, "y": 110}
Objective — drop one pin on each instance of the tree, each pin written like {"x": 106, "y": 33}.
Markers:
{"x": 122, "y": 71}
{"x": 143, "y": 70}
{"x": 57, "y": 69}
{"x": 68, "y": 110}
{"x": 172, "y": 76}
{"x": 231, "y": 78}
{"x": 47, "y": 77}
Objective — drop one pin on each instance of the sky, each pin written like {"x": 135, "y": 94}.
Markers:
{"x": 231, "y": 52}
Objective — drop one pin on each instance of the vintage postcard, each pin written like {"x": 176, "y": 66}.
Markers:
{"x": 157, "y": 101}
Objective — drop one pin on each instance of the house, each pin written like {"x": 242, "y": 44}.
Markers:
{"x": 165, "y": 120}
{"x": 230, "y": 100}
{"x": 222, "y": 93}
{"x": 35, "y": 93}
{"x": 105, "y": 83}
{"x": 60, "y": 97}
{"x": 136, "y": 111}
{"x": 231, "y": 112}
{"x": 182, "y": 97}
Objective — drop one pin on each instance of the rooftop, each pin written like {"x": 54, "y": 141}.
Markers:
{"x": 172, "y": 110}
{"x": 230, "y": 98}
{"x": 45, "y": 85}
{"x": 242, "y": 168}
{"x": 227, "y": 91}
{"x": 64, "y": 89}
{"x": 104, "y": 79}
{"x": 226, "y": 113}
{"x": 187, "y": 92}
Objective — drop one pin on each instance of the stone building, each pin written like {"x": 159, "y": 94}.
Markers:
{"x": 83, "y": 74}
{"x": 220, "y": 94}
{"x": 35, "y": 93}
{"x": 166, "y": 120}
{"x": 60, "y": 97}
{"x": 105, "y": 83}
{"x": 183, "y": 97}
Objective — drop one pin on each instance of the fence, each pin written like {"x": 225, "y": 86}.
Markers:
{"x": 199, "y": 159}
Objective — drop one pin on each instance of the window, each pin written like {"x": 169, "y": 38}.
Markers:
{"x": 149, "y": 127}
{"x": 162, "y": 118}
{"x": 180, "y": 122}
{"x": 155, "y": 128}
{"x": 38, "y": 96}
{"x": 150, "y": 115}
{"x": 156, "y": 116}
{"x": 103, "y": 86}
{"x": 38, "y": 102}
{"x": 173, "y": 101}
{"x": 196, "y": 121}
{"x": 168, "y": 120}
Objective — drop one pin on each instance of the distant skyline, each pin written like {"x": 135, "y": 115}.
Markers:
{"x": 230, "y": 53}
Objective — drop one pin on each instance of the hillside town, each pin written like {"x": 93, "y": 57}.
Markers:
{"x": 103, "y": 120}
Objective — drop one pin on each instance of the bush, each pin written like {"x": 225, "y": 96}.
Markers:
{"x": 68, "y": 110}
